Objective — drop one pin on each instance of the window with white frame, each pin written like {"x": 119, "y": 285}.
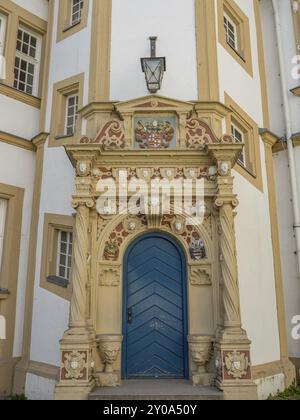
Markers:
{"x": 231, "y": 32}
{"x": 3, "y": 20}
{"x": 27, "y": 61}
{"x": 3, "y": 211}
{"x": 71, "y": 114}
{"x": 76, "y": 10}
{"x": 64, "y": 254}
{"x": 239, "y": 137}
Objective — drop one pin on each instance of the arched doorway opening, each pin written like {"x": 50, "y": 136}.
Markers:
{"x": 155, "y": 309}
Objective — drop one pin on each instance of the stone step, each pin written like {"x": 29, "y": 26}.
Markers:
{"x": 147, "y": 390}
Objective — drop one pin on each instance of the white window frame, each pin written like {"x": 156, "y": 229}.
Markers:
{"x": 68, "y": 254}
{"x": 3, "y": 24}
{"x": 235, "y": 32}
{"x": 80, "y": 4}
{"x": 234, "y": 128}
{"x": 30, "y": 60}
{"x": 75, "y": 115}
{"x": 3, "y": 214}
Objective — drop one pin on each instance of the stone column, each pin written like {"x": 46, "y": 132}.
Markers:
{"x": 78, "y": 342}
{"x": 232, "y": 346}
{"x": 80, "y": 270}
{"x": 231, "y": 300}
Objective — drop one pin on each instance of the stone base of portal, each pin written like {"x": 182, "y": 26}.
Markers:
{"x": 233, "y": 366}
{"x": 74, "y": 392}
{"x": 77, "y": 366}
{"x": 109, "y": 379}
{"x": 239, "y": 390}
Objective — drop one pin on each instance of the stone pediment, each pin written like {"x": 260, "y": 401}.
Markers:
{"x": 154, "y": 103}
{"x": 157, "y": 123}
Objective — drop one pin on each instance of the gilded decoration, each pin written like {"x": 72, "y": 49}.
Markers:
{"x": 74, "y": 365}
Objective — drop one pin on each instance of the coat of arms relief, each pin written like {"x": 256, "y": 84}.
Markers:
{"x": 155, "y": 133}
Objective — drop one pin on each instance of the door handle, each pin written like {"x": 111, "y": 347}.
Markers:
{"x": 129, "y": 316}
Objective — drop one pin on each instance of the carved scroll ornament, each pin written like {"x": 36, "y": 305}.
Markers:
{"x": 112, "y": 136}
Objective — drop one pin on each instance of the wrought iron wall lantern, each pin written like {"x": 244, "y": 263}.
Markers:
{"x": 154, "y": 68}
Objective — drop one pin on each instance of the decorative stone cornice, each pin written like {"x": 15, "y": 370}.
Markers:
{"x": 296, "y": 91}
{"x": 96, "y": 107}
{"x": 40, "y": 139}
{"x": 225, "y": 152}
{"x": 269, "y": 138}
{"x": 214, "y": 107}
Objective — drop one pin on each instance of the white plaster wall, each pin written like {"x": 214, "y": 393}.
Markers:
{"x": 254, "y": 245}
{"x": 235, "y": 81}
{"x": 289, "y": 52}
{"x": 37, "y": 7}
{"x": 18, "y": 119}
{"x": 272, "y": 68}
{"x": 256, "y": 270}
{"x": 49, "y": 323}
{"x": 291, "y": 280}
{"x": 270, "y": 386}
{"x": 69, "y": 57}
{"x": 39, "y": 389}
{"x": 173, "y": 22}
{"x": 17, "y": 168}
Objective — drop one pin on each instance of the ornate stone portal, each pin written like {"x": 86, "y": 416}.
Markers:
{"x": 178, "y": 143}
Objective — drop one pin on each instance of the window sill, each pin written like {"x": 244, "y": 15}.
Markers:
{"x": 4, "y": 294}
{"x": 236, "y": 52}
{"x": 64, "y": 136}
{"x": 68, "y": 28}
{"x": 249, "y": 172}
{"x": 58, "y": 281}
{"x": 17, "y": 95}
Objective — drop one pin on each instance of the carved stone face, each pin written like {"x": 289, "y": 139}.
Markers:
{"x": 82, "y": 167}
{"x": 224, "y": 168}
{"x": 178, "y": 226}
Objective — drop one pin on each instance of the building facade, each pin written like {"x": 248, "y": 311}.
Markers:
{"x": 93, "y": 298}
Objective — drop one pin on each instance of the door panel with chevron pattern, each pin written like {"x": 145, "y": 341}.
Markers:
{"x": 155, "y": 333}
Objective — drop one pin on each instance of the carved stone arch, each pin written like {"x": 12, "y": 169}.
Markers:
{"x": 116, "y": 221}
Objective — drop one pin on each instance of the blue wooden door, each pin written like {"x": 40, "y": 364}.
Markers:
{"x": 155, "y": 341}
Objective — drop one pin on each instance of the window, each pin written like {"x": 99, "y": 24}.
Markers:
{"x": 239, "y": 137}
{"x": 66, "y": 102}
{"x": 2, "y": 33}
{"x": 64, "y": 254}
{"x": 57, "y": 254}
{"x": 27, "y": 61}
{"x": 76, "y": 10}
{"x": 72, "y": 17}
{"x": 231, "y": 32}
{"x": 3, "y": 209}
{"x": 71, "y": 114}
{"x": 234, "y": 33}
{"x": 245, "y": 130}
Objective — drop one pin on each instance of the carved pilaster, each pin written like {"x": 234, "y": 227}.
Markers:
{"x": 232, "y": 318}
{"x": 80, "y": 269}
{"x": 232, "y": 347}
